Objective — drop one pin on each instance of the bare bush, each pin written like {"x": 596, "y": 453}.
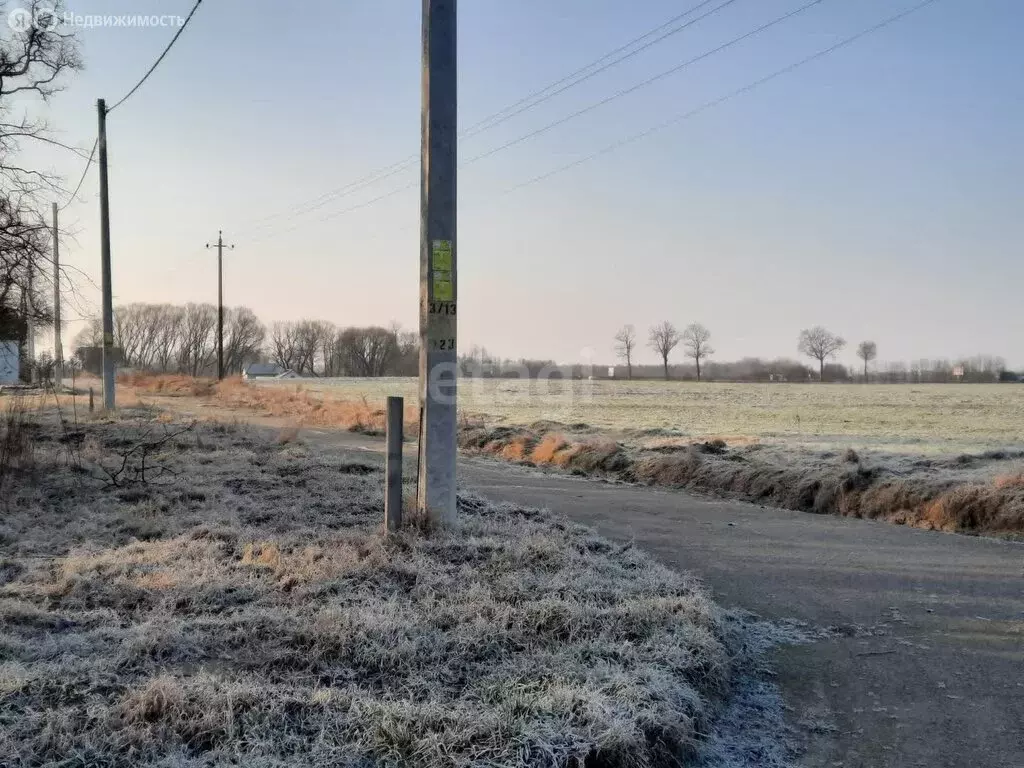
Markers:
{"x": 142, "y": 445}
{"x": 17, "y": 445}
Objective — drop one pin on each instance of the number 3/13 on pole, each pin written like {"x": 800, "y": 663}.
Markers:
{"x": 438, "y": 266}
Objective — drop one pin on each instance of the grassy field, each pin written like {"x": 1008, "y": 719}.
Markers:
{"x": 897, "y": 418}
{"x": 938, "y": 457}
{"x": 184, "y": 595}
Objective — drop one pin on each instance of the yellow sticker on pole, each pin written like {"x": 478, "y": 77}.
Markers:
{"x": 443, "y": 286}
{"x": 442, "y": 252}
{"x": 441, "y": 265}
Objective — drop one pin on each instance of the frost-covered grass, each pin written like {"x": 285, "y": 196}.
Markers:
{"x": 947, "y": 457}
{"x": 980, "y": 492}
{"x": 242, "y": 607}
{"x": 926, "y": 418}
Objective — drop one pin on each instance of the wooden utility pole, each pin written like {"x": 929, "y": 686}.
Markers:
{"x": 58, "y": 348}
{"x": 219, "y": 245}
{"x": 438, "y": 284}
{"x": 108, "y": 296}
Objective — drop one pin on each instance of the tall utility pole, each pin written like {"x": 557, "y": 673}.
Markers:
{"x": 108, "y": 296}
{"x": 220, "y": 301}
{"x": 438, "y": 285}
{"x": 58, "y": 348}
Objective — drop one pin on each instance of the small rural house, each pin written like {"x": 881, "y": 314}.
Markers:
{"x": 266, "y": 371}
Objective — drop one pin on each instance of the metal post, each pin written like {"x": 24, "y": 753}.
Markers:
{"x": 393, "y": 491}
{"x": 435, "y": 496}
{"x": 108, "y": 296}
{"x": 58, "y": 348}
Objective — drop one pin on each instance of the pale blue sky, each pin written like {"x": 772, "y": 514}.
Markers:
{"x": 876, "y": 191}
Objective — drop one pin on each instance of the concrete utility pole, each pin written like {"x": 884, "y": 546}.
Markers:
{"x": 108, "y": 296}
{"x": 30, "y": 326}
{"x": 219, "y": 245}
{"x": 438, "y": 285}
{"x": 58, "y": 348}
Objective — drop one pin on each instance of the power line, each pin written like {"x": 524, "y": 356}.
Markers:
{"x": 350, "y": 188}
{"x": 778, "y": 20}
{"x": 643, "y": 84}
{"x": 342, "y": 212}
{"x": 661, "y": 126}
{"x": 159, "y": 58}
{"x": 518, "y": 108}
{"x": 691, "y": 113}
{"x": 722, "y": 99}
{"x": 512, "y": 110}
{"x": 88, "y": 164}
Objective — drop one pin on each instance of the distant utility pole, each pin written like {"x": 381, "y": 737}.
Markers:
{"x": 108, "y": 296}
{"x": 219, "y": 245}
{"x": 58, "y": 348}
{"x": 30, "y": 329}
{"x": 438, "y": 285}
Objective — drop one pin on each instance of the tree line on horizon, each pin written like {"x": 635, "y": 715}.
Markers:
{"x": 182, "y": 339}
{"x": 817, "y": 343}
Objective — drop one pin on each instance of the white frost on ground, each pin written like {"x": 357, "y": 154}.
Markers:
{"x": 751, "y": 731}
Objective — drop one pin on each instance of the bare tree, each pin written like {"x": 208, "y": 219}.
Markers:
{"x": 244, "y": 339}
{"x": 625, "y": 343}
{"x": 198, "y": 345}
{"x": 867, "y": 351}
{"x": 284, "y": 346}
{"x": 367, "y": 351}
{"x": 663, "y": 339}
{"x": 172, "y": 321}
{"x": 821, "y": 344}
{"x": 308, "y": 335}
{"x": 24, "y": 251}
{"x": 406, "y": 361}
{"x": 696, "y": 343}
{"x": 33, "y": 60}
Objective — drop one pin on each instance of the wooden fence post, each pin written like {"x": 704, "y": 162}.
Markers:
{"x": 393, "y": 489}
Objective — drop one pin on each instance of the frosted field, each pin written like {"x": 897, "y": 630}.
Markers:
{"x": 906, "y": 418}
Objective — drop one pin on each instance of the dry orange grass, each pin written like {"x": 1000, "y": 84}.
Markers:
{"x": 837, "y": 485}
{"x": 517, "y": 449}
{"x": 1014, "y": 480}
{"x": 299, "y": 405}
{"x": 548, "y": 449}
{"x": 173, "y": 385}
{"x": 306, "y": 408}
